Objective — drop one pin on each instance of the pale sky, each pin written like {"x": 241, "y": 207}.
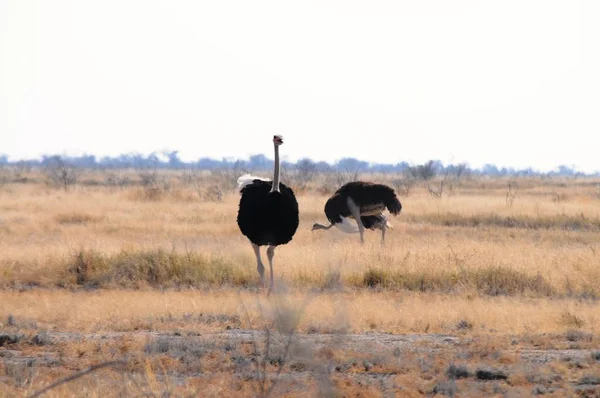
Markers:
{"x": 514, "y": 83}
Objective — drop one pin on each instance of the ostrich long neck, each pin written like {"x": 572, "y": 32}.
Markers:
{"x": 275, "y": 186}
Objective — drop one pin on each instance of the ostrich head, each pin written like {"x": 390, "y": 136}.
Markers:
{"x": 319, "y": 226}
{"x": 278, "y": 140}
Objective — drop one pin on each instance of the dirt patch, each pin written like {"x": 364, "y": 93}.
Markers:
{"x": 385, "y": 363}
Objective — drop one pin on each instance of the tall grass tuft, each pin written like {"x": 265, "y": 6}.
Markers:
{"x": 559, "y": 222}
{"x": 492, "y": 281}
{"x": 156, "y": 268}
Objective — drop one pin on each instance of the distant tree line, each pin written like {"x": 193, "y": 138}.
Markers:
{"x": 348, "y": 166}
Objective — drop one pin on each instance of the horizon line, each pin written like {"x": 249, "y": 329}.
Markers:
{"x": 162, "y": 157}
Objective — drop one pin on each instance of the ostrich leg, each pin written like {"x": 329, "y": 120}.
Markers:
{"x": 270, "y": 255}
{"x": 356, "y": 214}
{"x": 383, "y": 228}
{"x": 260, "y": 267}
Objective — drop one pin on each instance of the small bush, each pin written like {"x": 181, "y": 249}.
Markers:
{"x": 490, "y": 374}
{"x": 589, "y": 379}
{"x": 374, "y": 277}
{"x": 6, "y": 339}
{"x": 42, "y": 338}
{"x": 464, "y": 325}
{"x": 578, "y": 335}
{"x": 457, "y": 372}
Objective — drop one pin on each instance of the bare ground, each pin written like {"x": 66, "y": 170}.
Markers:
{"x": 371, "y": 364}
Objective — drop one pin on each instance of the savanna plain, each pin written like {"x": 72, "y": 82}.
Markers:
{"x": 130, "y": 283}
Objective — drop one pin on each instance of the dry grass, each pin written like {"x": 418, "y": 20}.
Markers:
{"x": 454, "y": 244}
{"x": 356, "y": 312}
{"x": 106, "y": 258}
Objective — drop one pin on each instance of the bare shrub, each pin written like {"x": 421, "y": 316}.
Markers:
{"x": 452, "y": 176}
{"x": 446, "y": 181}
{"x": 213, "y": 194}
{"x": 226, "y": 178}
{"x": 403, "y": 185}
{"x": 346, "y": 176}
{"x": 511, "y": 193}
{"x": 20, "y": 371}
{"x": 559, "y": 197}
{"x": 304, "y": 173}
{"x": 207, "y": 189}
{"x": 60, "y": 173}
{"x": 118, "y": 181}
{"x": 154, "y": 186}
{"x": 273, "y": 349}
{"x": 335, "y": 179}
{"x": 425, "y": 171}
{"x": 329, "y": 184}
{"x": 348, "y": 169}
{"x": 5, "y": 177}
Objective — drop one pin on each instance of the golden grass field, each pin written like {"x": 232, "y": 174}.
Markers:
{"x": 146, "y": 275}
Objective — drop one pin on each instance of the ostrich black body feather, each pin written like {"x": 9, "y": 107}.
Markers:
{"x": 265, "y": 217}
{"x": 372, "y": 222}
{"x": 372, "y": 199}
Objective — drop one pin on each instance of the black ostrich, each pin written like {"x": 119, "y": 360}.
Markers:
{"x": 268, "y": 213}
{"x": 365, "y": 203}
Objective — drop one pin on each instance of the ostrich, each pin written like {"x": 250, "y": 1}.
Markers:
{"x": 268, "y": 213}
{"x": 363, "y": 201}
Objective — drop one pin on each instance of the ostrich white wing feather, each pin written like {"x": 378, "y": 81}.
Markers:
{"x": 347, "y": 225}
{"x": 247, "y": 179}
